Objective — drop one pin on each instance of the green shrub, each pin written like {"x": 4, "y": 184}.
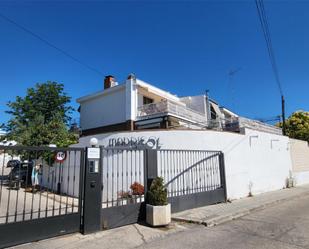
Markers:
{"x": 157, "y": 194}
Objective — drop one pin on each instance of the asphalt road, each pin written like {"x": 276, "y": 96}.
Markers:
{"x": 285, "y": 225}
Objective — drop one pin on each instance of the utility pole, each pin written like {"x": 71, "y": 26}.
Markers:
{"x": 283, "y": 114}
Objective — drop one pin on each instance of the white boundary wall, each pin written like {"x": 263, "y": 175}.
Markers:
{"x": 63, "y": 173}
{"x": 301, "y": 178}
{"x": 257, "y": 161}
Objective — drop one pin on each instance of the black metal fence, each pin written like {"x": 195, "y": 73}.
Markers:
{"x": 33, "y": 184}
{"x": 193, "y": 178}
{"x": 46, "y": 191}
{"x": 123, "y": 176}
{"x": 189, "y": 171}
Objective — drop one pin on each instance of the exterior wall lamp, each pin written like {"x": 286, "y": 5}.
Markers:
{"x": 93, "y": 142}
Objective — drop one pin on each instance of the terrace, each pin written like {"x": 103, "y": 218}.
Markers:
{"x": 167, "y": 107}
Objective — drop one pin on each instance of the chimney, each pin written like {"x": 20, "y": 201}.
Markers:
{"x": 109, "y": 82}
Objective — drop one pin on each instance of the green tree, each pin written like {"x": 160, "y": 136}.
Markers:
{"x": 297, "y": 125}
{"x": 41, "y": 117}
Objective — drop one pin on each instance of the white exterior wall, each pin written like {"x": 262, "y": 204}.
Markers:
{"x": 256, "y": 162}
{"x": 301, "y": 178}
{"x": 139, "y": 100}
{"x": 105, "y": 109}
{"x": 68, "y": 171}
{"x": 130, "y": 100}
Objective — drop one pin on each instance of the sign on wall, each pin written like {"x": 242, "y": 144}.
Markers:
{"x": 93, "y": 153}
{"x": 142, "y": 142}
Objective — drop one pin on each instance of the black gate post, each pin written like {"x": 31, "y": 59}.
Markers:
{"x": 150, "y": 172}
{"x": 151, "y": 167}
{"x": 92, "y": 191}
{"x": 222, "y": 174}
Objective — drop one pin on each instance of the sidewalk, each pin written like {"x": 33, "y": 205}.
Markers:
{"x": 125, "y": 237}
{"x": 219, "y": 213}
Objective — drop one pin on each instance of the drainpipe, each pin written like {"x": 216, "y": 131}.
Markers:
{"x": 207, "y": 108}
{"x": 131, "y": 100}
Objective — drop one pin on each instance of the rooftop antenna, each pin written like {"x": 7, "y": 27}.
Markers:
{"x": 232, "y": 72}
{"x": 231, "y": 88}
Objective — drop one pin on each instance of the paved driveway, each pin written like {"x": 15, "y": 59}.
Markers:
{"x": 18, "y": 205}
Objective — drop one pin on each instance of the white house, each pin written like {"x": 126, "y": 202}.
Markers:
{"x": 136, "y": 105}
{"x": 135, "y": 113}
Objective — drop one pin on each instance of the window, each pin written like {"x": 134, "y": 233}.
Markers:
{"x": 213, "y": 113}
{"x": 147, "y": 100}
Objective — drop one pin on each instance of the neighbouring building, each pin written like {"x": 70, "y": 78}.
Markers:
{"x": 137, "y": 105}
{"x": 4, "y": 141}
{"x": 2, "y": 133}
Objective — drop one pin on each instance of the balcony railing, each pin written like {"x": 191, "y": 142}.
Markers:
{"x": 168, "y": 107}
{"x": 259, "y": 126}
{"x": 231, "y": 124}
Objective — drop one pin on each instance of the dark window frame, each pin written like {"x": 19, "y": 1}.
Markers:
{"x": 147, "y": 100}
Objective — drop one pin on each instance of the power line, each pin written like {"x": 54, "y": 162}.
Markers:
{"x": 46, "y": 42}
{"x": 269, "y": 119}
{"x": 265, "y": 27}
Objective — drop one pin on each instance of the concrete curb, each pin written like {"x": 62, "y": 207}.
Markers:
{"x": 232, "y": 216}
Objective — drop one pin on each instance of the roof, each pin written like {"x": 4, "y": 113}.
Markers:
{"x": 142, "y": 84}
{"x": 100, "y": 93}
{"x": 157, "y": 90}
{"x": 139, "y": 82}
{"x": 228, "y": 111}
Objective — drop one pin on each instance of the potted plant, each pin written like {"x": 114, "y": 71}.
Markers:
{"x": 158, "y": 210}
{"x": 137, "y": 190}
{"x": 124, "y": 197}
{"x": 131, "y": 197}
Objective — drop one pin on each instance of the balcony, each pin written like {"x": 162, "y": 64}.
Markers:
{"x": 167, "y": 107}
{"x": 233, "y": 124}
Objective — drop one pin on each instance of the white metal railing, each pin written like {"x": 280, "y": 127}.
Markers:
{"x": 151, "y": 109}
{"x": 181, "y": 111}
{"x": 169, "y": 107}
{"x": 259, "y": 126}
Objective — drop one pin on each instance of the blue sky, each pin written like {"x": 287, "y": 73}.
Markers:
{"x": 183, "y": 47}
